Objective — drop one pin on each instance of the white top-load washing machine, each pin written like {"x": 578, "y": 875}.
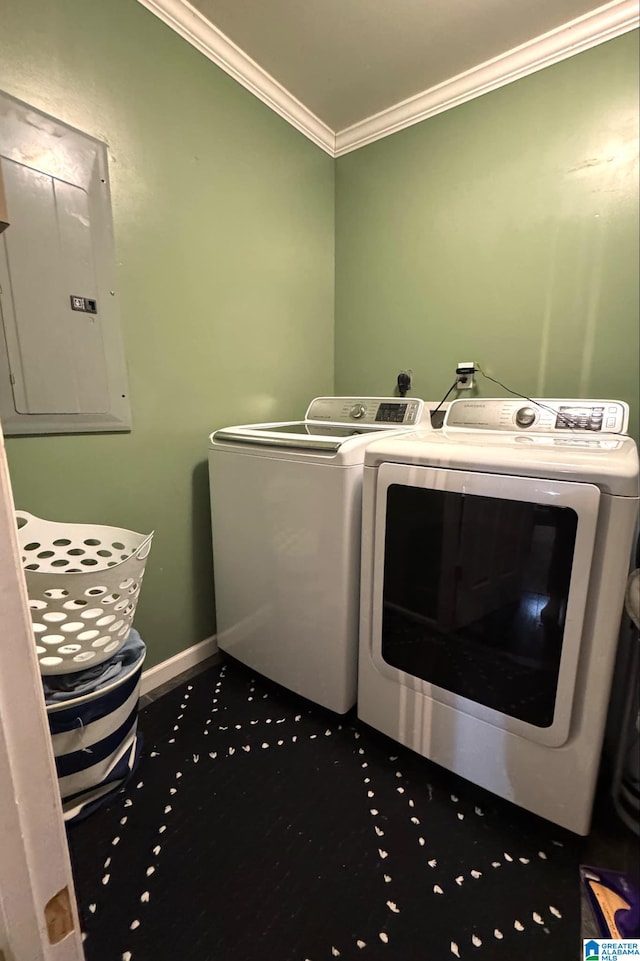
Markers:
{"x": 494, "y": 563}
{"x": 286, "y": 511}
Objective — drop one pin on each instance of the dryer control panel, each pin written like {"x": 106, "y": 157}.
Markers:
{"x": 368, "y": 411}
{"x": 539, "y": 414}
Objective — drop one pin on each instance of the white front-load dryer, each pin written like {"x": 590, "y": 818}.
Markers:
{"x": 494, "y": 562}
{"x": 286, "y": 516}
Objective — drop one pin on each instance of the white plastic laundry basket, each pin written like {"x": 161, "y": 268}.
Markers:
{"x": 83, "y": 583}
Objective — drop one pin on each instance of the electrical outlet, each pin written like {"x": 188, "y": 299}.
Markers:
{"x": 465, "y": 371}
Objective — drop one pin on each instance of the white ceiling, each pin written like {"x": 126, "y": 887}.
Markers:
{"x": 332, "y": 65}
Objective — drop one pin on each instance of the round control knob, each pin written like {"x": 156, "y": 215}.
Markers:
{"x": 358, "y": 411}
{"x": 525, "y": 417}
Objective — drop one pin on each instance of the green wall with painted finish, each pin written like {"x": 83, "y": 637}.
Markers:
{"x": 224, "y": 234}
{"x": 504, "y": 231}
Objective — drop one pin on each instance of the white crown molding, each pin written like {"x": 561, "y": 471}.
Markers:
{"x": 574, "y": 37}
{"x": 578, "y": 35}
{"x": 201, "y": 34}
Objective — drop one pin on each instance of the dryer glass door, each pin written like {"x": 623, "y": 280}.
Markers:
{"x": 484, "y": 581}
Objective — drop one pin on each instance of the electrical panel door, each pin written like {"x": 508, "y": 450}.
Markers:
{"x": 62, "y": 366}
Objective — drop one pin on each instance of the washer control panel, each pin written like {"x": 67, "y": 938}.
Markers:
{"x": 369, "y": 411}
{"x": 539, "y": 414}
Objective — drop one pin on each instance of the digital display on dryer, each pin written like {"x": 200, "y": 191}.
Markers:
{"x": 579, "y": 418}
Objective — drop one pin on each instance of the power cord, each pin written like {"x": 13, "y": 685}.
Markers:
{"x": 445, "y": 396}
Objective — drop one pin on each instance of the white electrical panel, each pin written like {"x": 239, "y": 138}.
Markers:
{"x": 62, "y": 365}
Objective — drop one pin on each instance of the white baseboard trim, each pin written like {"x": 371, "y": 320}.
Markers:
{"x": 173, "y": 666}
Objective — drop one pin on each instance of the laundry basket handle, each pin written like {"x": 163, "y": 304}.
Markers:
{"x": 142, "y": 551}
{"x": 25, "y": 517}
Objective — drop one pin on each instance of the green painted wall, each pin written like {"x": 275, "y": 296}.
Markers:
{"x": 224, "y": 232}
{"x": 504, "y": 231}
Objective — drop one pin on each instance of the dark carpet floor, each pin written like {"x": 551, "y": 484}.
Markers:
{"x": 259, "y": 827}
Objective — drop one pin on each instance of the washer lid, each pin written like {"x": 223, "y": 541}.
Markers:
{"x": 331, "y": 424}
{"x": 294, "y": 435}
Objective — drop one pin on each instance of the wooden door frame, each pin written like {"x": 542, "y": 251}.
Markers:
{"x": 37, "y": 898}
